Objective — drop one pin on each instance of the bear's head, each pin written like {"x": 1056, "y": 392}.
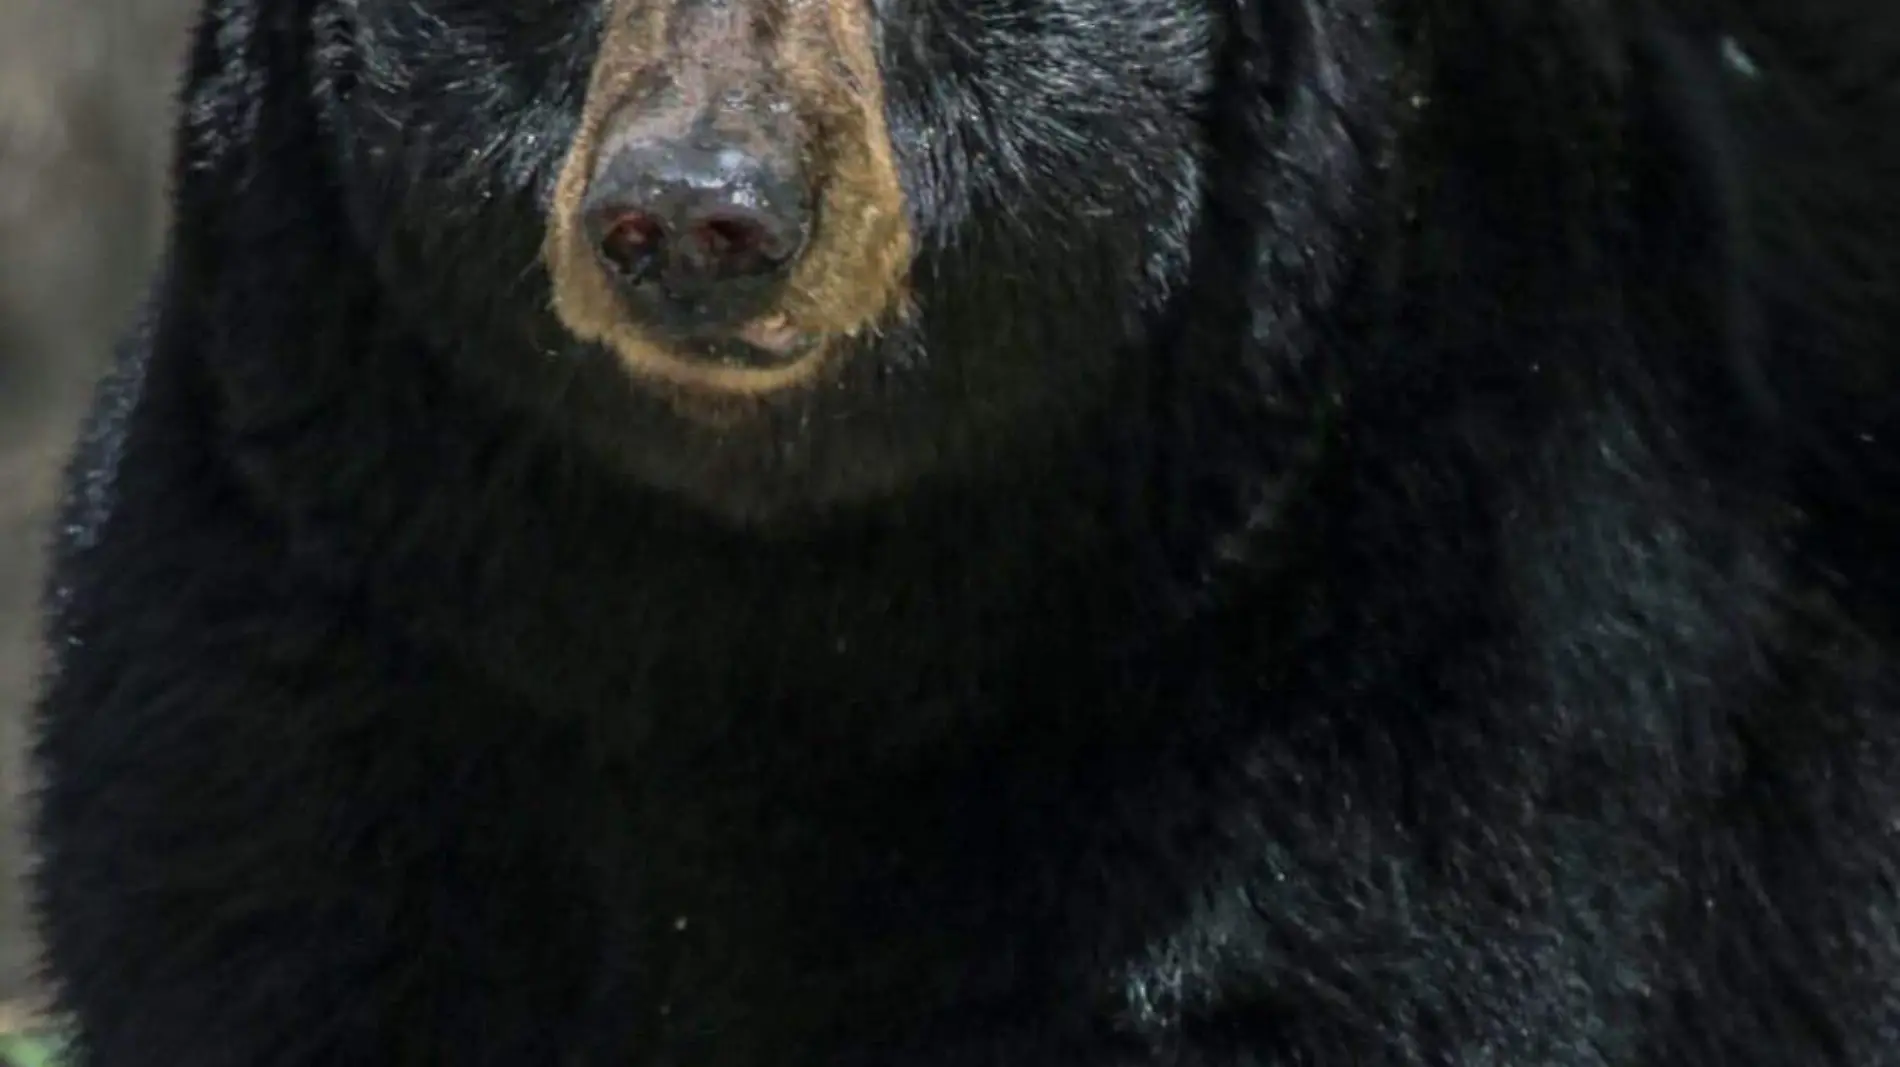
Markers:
{"x": 796, "y": 254}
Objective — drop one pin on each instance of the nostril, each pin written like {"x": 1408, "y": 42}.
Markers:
{"x": 734, "y": 245}
{"x": 729, "y": 236}
{"x": 633, "y": 244}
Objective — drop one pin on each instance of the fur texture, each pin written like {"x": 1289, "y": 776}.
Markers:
{"x": 1373, "y": 546}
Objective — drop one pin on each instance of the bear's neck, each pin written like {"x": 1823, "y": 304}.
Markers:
{"x": 508, "y": 547}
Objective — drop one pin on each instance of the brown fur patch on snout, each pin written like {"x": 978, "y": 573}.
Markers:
{"x": 817, "y": 59}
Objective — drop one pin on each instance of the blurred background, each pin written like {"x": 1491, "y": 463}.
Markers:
{"x": 86, "y": 91}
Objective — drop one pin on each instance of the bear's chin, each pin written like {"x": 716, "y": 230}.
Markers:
{"x": 875, "y": 425}
{"x": 883, "y": 425}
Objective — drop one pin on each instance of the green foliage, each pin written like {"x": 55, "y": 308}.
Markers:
{"x": 31, "y": 1050}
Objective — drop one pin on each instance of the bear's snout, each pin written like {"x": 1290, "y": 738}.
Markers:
{"x": 698, "y": 226}
{"x": 730, "y": 212}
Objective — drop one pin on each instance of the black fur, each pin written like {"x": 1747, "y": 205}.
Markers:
{"x": 1375, "y": 550}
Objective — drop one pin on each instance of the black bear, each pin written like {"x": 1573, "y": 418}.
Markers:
{"x": 993, "y": 533}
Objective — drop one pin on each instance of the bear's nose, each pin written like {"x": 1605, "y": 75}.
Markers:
{"x": 696, "y": 232}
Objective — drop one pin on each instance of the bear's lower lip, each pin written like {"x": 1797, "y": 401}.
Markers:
{"x": 774, "y": 335}
{"x": 768, "y": 344}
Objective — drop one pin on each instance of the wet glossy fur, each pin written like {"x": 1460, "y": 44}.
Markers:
{"x": 1376, "y": 549}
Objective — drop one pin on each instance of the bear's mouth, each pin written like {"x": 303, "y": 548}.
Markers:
{"x": 776, "y": 335}
{"x": 766, "y": 344}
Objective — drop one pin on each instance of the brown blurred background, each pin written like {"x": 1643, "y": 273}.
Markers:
{"x": 86, "y": 88}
